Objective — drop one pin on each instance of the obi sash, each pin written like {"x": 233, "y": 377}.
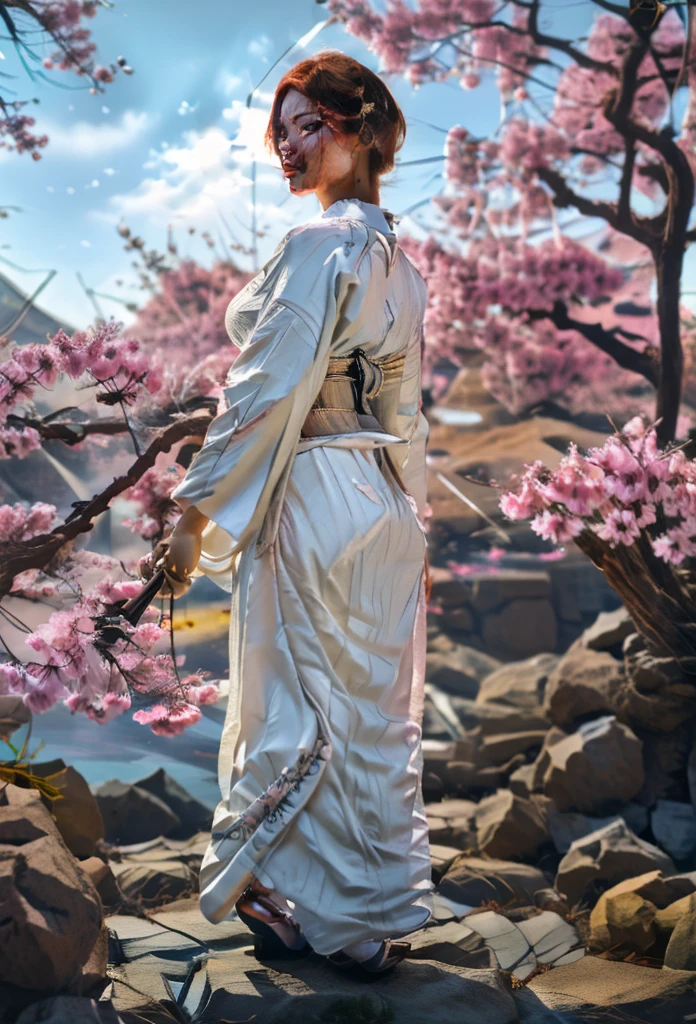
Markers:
{"x": 342, "y": 416}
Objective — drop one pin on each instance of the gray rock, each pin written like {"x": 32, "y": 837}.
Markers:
{"x": 154, "y": 882}
{"x": 585, "y": 682}
{"x": 594, "y": 989}
{"x": 659, "y": 696}
{"x": 69, "y": 1010}
{"x": 476, "y": 881}
{"x": 51, "y": 914}
{"x": 565, "y": 827}
{"x": 13, "y": 715}
{"x": 605, "y": 857}
{"x": 193, "y": 815}
{"x": 508, "y": 826}
{"x": 496, "y": 719}
{"x": 77, "y": 813}
{"x": 132, "y": 815}
{"x": 499, "y": 749}
{"x": 521, "y": 780}
{"x": 674, "y": 827}
{"x": 519, "y": 684}
{"x": 681, "y": 950}
{"x": 521, "y": 628}
{"x": 599, "y": 764}
{"x": 608, "y": 630}
{"x": 416, "y": 991}
{"x": 459, "y": 670}
{"x": 451, "y": 822}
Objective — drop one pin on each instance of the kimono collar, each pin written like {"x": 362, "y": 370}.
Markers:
{"x": 379, "y": 218}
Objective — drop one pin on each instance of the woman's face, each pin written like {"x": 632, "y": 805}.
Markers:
{"x": 314, "y": 157}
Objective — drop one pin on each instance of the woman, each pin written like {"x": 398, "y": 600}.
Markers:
{"x": 306, "y": 503}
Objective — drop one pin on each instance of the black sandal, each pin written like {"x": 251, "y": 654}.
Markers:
{"x": 268, "y": 945}
{"x": 385, "y": 959}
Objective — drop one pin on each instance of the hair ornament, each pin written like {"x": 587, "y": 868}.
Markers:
{"x": 367, "y": 108}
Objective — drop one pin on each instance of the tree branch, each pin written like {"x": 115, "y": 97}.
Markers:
{"x": 634, "y": 227}
{"x": 69, "y": 433}
{"x": 38, "y": 552}
{"x": 628, "y": 358}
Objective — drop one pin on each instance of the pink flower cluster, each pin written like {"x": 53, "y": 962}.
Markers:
{"x": 74, "y": 666}
{"x": 116, "y": 367}
{"x": 152, "y": 495}
{"x": 627, "y": 488}
{"x": 182, "y": 328}
{"x": 61, "y": 21}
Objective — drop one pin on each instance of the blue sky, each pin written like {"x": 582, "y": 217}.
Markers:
{"x": 154, "y": 148}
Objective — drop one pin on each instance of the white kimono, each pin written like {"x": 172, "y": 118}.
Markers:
{"x": 320, "y": 759}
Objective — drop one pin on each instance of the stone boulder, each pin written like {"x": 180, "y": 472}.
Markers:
{"x": 623, "y": 923}
{"x": 599, "y": 990}
{"x": 13, "y": 715}
{"x": 585, "y": 682}
{"x": 70, "y": 1010}
{"x": 667, "y": 919}
{"x": 521, "y": 628}
{"x": 653, "y": 886}
{"x": 77, "y": 813}
{"x": 51, "y": 914}
{"x": 495, "y": 719}
{"x": 519, "y": 684}
{"x": 609, "y": 630}
{"x": 606, "y": 857}
{"x": 596, "y": 766}
{"x": 459, "y": 669}
{"x": 451, "y": 822}
{"x": 154, "y": 882}
{"x": 509, "y": 826}
{"x": 193, "y": 815}
{"x": 674, "y": 827}
{"x": 477, "y": 880}
{"x": 681, "y": 949}
{"x": 567, "y": 826}
{"x": 499, "y": 749}
{"x": 132, "y": 815}
{"x": 103, "y": 880}
{"x": 658, "y": 695}
{"x": 521, "y": 781}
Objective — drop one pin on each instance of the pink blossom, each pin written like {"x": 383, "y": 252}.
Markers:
{"x": 620, "y": 526}
{"x": 556, "y": 527}
{"x": 168, "y": 721}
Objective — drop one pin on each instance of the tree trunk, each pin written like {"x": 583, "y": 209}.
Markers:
{"x": 669, "y": 264}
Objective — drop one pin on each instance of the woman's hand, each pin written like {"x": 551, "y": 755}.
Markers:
{"x": 180, "y": 553}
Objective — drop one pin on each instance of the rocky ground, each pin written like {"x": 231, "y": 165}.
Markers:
{"x": 563, "y": 850}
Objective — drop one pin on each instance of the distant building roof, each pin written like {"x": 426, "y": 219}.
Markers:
{"x": 35, "y": 325}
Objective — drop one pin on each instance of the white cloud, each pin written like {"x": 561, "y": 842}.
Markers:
{"x": 86, "y": 139}
{"x": 195, "y": 179}
{"x": 228, "y": 82}
{"x": 259, "y": 47}
{"x": 247, "y": 142}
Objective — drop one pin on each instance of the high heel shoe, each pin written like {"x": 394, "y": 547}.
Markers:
{"x": 271, "y": 927}
{"x": 389, "y": 954}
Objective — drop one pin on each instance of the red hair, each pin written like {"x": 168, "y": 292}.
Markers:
{"x": 340, "y": 86}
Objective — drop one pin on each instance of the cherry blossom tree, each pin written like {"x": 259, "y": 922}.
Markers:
{"x": 43, "y": 558}
{"x": 65, "y": 46}
{"x": 610, "y": 129}
{"x": 631, "y": 507}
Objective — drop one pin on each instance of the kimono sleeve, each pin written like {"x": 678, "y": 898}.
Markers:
{"x": 272, "y": 385}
